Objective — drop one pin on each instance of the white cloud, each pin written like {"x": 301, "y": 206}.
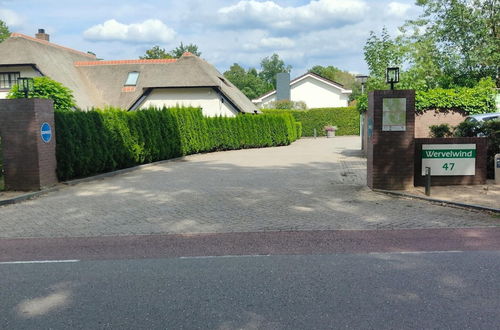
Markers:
{"x": 11, "y": 18}
{"x": 270, "y": 43}
{"x": 278, "y": 43}
{"x": 269, "y": 14}
{"x": 398, "y": 9}
{"x": 151, "y": 30}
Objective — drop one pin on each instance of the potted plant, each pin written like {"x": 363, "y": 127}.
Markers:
{"x": 330, "y": 131}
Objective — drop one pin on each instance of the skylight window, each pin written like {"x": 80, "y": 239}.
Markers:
{"x": 132, "y": 78}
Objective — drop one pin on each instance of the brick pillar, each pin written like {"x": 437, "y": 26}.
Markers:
{"x": 29, "y": 162}
{"x": 390, "y": 148}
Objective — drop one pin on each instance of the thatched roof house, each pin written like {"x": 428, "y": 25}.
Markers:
{"x": 128, "y": 84}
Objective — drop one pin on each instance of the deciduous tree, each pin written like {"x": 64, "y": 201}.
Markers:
{"x": 248, "y": 81}
{"x": 178, "y": 51}
{"x": 155, "y": 53}
{"x": 4, "y": 31}
{"x": 271, "y": 66}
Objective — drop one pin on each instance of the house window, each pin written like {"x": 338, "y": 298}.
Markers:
{"x": 8, "y": 79}
{"x": 132, "y": 78}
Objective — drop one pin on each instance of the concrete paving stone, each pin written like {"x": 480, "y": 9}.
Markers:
{"x": 309, "y": 185}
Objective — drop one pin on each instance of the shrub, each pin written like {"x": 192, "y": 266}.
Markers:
{"x": 46, "y": 88}
{"x": 362, "y": 103}
{"x": 287, "y": 104}
{"x": 298, "y": 126}
{"x": 346, "y": 119}
{"x": 440, "y": 131}
{"x": 491, "y": 130}
{"x": 479, "y": 99}
{"x": 104, "y": 140}
{"x": 467, "y": 129}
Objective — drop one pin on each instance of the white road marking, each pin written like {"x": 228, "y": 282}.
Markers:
{"x": 228, "y": 256}
{"x": 37, "y": 262}
{"x": 417, "y": 252}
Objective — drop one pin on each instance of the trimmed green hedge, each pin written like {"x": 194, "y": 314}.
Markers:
{"x": 104, "y": 140}
{"x": 346, "y": 119}
{"x": 479, "y": 99}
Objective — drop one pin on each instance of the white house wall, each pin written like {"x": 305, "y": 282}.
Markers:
{"x": 24, "y": 71}
{"x": 315, "y": 93}
{"x": 208, "y": 99}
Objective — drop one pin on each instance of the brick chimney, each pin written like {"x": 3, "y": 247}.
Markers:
{"x": 42, "y": 35}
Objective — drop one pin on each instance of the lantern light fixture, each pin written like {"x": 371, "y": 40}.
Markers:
{"x": 25, "y": 86}
{"x": 392, "y": 76}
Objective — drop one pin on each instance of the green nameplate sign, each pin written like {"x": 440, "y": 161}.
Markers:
{"x": 449, "y": 159}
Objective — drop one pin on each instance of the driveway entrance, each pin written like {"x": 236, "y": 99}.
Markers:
{"x": 314, "y": 184}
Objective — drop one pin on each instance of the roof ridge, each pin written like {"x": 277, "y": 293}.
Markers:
{"x": 118, "y": 62}
{"x": 48, "y": 43}
{"x": 321, "y": 77}
{"x": 315, "y": 75}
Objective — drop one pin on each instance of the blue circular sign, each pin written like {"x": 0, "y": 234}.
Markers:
{"x": 46, "y": 132}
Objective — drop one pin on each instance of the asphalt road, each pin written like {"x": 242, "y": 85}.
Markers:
{"x": 441, "y": 290}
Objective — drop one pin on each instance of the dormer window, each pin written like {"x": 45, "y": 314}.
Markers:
{"x": 132, "y": 78}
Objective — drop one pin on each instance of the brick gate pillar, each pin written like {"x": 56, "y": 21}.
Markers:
{"x": 391, "y": 134}
{"x": 28, "y": 143}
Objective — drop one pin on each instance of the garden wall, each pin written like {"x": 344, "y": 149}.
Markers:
{"x": 427, "y": 118}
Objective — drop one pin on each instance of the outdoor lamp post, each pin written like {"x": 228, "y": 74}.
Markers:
{"x": 362, "y": 80}
{"x": 25, "y": 86}
{"x": 392, "y": 76}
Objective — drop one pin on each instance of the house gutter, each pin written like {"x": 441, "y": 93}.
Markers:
{"x": 32, "y": 65}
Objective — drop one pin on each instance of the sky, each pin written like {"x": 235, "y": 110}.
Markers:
{"x": 303, "y": 32}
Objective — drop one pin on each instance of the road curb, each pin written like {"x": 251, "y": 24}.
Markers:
{"x": 439, "y": 201}
{"x": 61, "y": 185}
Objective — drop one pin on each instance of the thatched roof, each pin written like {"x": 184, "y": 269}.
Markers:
{"x": 99, "y": 83}
{"x": 53, "y": 61}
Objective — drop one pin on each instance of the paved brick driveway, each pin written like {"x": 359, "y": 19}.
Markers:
{"x": 312, "y": 184}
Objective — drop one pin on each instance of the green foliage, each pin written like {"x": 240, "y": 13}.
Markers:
{"x": 4, "y": 31}
{"x": 491, "y": 130}
{"x": 248, "y": 82}
{"x": 466, "y": 34}
{"x": 347, "y": 79}
{"x": 254, "y": 84}
{"x": 454, "y": 43}
{"x": 298, "y": 126}
{"x": 440, "y": 131}
{"x": 287, "y": 104}
{"x": 467, "y": 129}
{"x": 46, "y": 88}
{"x": 155, "y": 53}
{"x": 271, "y": 66}
{"x": 104, "y": 140}
{"x": 178, "y": 51}
{"x": 382, "y": 52}
{"x": 480, "y": 99}
{"x": 346, "y": 119}
{"x": 362, "y": 103}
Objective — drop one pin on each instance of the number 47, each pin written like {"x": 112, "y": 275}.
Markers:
{"x": 448, "y": 166}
